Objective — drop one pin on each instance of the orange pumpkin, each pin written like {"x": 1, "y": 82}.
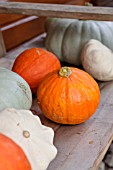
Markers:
{"x": 68, "y": 96}
{"x": 12, "y": 156}
{"x": 34, "y": 64}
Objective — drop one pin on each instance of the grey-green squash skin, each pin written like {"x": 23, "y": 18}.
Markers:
{"x": 66, "y": 37}
{"x": 14, "y": 91}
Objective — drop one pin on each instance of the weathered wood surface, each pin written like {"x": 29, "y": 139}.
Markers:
{"x": 80, "y": 147}
{"x": 57, "y": 10}
{"x": 74, "y": 2}
{"x": 7, "y": 19}
{"x": 50, "y": 1}
{"x": 24, "y": 27}
{"x": 77, "y": 2}
{"x": 4, "y": 19}
{"x": 22, "y": 30}
{"x": 2, "y": 45}
{"x": 103, "y": 2}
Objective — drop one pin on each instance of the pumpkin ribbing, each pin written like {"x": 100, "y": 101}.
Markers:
{"x": 66, "y": 37}
{"x": 68, "y": 100}
{"x": 34, "y": 64}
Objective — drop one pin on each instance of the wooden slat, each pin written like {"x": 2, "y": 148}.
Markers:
{"x": 11, "y": 18}
{"x": 82, "y": 147}
{"x": 77, "y": 2}
{"x": 7, "y": 19}
{"x": 2, "y": 46}
{"x": 4, "y": 19}
{"x": 21, "y": 31}
{"x": 63, "y": 11}
{"x": 103, "y": 3}
{"x": 46, "y": 1}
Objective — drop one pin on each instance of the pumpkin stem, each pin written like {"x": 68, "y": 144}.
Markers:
{"x": 65, "y": 72}
{"x": 26, "y": 134}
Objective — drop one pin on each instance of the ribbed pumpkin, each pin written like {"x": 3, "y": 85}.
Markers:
{"x": 34, "y": 64}
{"x": 66, "y": 37}
{"x": 68, "y": 96}
{"x": 12, "y": 156}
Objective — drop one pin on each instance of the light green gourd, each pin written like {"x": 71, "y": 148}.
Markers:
{"x": 14, "y": 91}
{"x": 66, "y": 37}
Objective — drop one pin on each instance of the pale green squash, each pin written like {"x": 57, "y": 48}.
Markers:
{"x": 66, "y": 37}
{"x": 14, "y": 91}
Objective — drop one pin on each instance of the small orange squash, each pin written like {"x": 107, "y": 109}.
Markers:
{"x": 34, "y": 64}
{"x": 68, "y": 96}
{"x": 12, "y": 156}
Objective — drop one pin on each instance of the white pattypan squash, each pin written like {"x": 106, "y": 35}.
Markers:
{"x": 35, "y": 139}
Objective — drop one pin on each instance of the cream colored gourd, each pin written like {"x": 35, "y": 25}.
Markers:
{"x": 27, "y": 131}
{"x": 66, "y": 37}
{"x": 97, "y": 60}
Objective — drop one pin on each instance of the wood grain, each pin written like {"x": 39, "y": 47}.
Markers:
{"x": 54, "y": 10}
{"x": 103, "y": 3}
{"x": 21, "y": 31}
{"x": 2, "y": 46}
{"x": 15, "y": 27}
{"x": 7, "y": 19}
{"x": 4, "y": 19}
{"x": 49, "y": 1}
{"x": 77, "y": 2}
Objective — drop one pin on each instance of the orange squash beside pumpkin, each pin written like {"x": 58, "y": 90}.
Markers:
{"x": 12, "y": 156}
{"x": 68, "y": 96}
{"x": 34, "y": 64}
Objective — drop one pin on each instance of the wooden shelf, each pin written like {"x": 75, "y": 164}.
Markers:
{"x": 57, "y": 10}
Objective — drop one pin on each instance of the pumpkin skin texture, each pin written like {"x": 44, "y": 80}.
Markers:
{"x": 12, "y": 156}
{"x": 34, "y": 64}
{"x": 26, "y": 130}
{"x": 66, "y": 37}
{"x": 68, "y": 96}
{"x": 14, "y": 91}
